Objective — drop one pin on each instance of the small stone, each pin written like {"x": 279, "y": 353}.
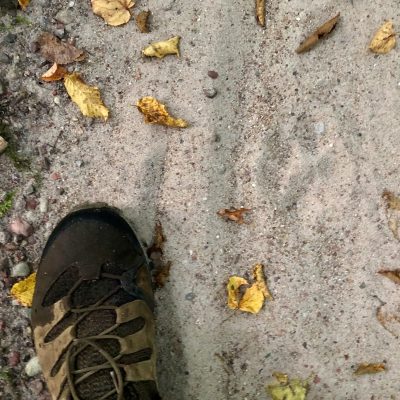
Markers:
{"x": 363, "y": 285}
{"x": 31, "y": 204}
{"x": 10, "y": 38}
{"x": 71, "y": 4}
{"x": 64, "y": 16}
{"x": 34, "y": 47}
{"x": 210, "y": 93}
{"x": 13, "y": 359}
{"x": 213, "y": 74}
{"x": 60, "y": 191}
{"x": 60, "y": 32}
{"x": 43, "y": 205}
{"x": 79, "y": 163}
{"x": 190, "y": 296}
{"x": 36, "y": 386}
{"x": 55, "y": 176}
{"x": 20, "y": 270}
{"x": 18, "y": 226}
{"x": 57, "y": 100}
{"x": 33, "y": 367}
{"x": 4, "y": 59}
{"x": 3, "y": 144}
{"x": 30, "y": 189}
{"x": 319, "y": 128}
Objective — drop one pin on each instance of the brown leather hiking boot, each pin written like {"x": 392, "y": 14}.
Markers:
{"x": 92, "y": 313}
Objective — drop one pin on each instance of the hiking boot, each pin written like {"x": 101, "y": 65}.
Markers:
{"x": 92, "y": 313}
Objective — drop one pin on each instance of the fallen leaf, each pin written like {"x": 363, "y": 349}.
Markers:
{"x": 384, "y": 39}
{"x": 86, "y": 97}
{"x": 254, "y": 297}
{"x": 233, "y": 286}
{"x": 55, "y": 73}
{"x": 367, "y": 368}
{"x": 156, "y": 113}
{"x": 322, "y": 31}
{"x": 164, "y": 48}
{"x": 233, "y": 214}
{"x": 24, "y": 3}
{"x": 389, "y": 319}
{"x": 158, "y": 240}
{"x": 142, "y": 21}
{"x": 288, "y": 389}
{"x": 161, "y": 274}
{"x": 52, "y": 49}
{"x": 23, "y": 290}
{"x": 260, "y": 12}
{"x": 392, "y": 212}
{"x": 19, "y": 226}
{"x": 393, "y": 275}
{"x": 114, "y": 12}
{"x": 281, "y": 377}
{"x": 3, "y": 144}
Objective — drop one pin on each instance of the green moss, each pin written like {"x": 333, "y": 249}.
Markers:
{"x": 6, "y": 204}
{"x": 21, "y": 20}
{"x": 5, "y": 375}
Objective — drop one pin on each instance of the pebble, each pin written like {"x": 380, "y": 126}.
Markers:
{"x": 3, "y": 144}
{"x": 31, "y": 204}
{"x": 210, "y": 93}
{"x": 30, "y": 189}
{"x": 55, "y": 176}
{"x": 79, "y": 163}
{"x": 4, "y": 58}
{"x": 37, "y": 386}
{"x": 190, "y": 296}
{"x": 13, "y": 358}
{"x": 33, "y": 367}
{"x": 43, "y": 205}
{"x": 10, "y": 38}
{"x": 64, "y": 16}
{"x": 71, "y": 4}
{"x": 20, "y": 270}
{"x": 60, "y": 191}
{"x": 18, "y": 226}
{"x": 213, "y": 74}
{"x": 60, "y": 32}
{"x": 57, "y": 100}
{"x": 319, "y": 128}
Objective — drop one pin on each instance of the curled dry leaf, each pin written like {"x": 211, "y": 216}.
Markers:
{"x": 260, "y": 12}
{"x": 322, "y": 31}
{"x": 392, "y": 212}
{"x": 24, "y": 3}
{"x": 114, "y": 12}
{"x": 161, "y": 274}
{"x": 19, "y": 226}
{"x": 155, "y": 113}
{"x": 233, "y": 214}
{"x": 233, "y": 286}
{"x": 164, "y": 48}
{"x": 288, "y": 389}
{"x": 52, "y": 49}
{"x": 384, "y": 39}
{"x": 142, "y": 21}
{"x": 254, "y": 296}
{"x": 393, "y": 275}
{"x": 367, "y": 368}
{"x": 23, "y": 290}
{"x": 86, "y": 97}
{"x": 55, "y": 73}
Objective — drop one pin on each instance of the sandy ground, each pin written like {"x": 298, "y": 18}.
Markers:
{"x": 308, "y": 142}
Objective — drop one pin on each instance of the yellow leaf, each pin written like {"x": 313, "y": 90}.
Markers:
{"x": 253, "y": 298}
{"x": 55, "y": 73}
{"x": 23, "y": 290}
{"x": 24, "y": 3}
{"x": 366, "y": 368}
{"x": 233, "y": 286}
{"x": 161, "y": 49}
{"x": 286, "y": 389}
{"x": 86, "y": 97}
{"x": 384, "y": 39}
{"x": 260, "y": 12}
{"x": 156, "y": 113}
{"x": 114, "y": 12}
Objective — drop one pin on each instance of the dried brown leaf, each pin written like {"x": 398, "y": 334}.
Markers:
{"x": 55, "y": 73}
{"x": 370, "y": 368}
{"x": 392, "y": 212}
{"x": 158, "y": 240}
{"x": 393, "y": 275}
{"x": 388, "y": 316}
{"x": 384, "y": 39}
{"x": 161, "y": 274}
{"x": 233, "y": 214}
{"x": 156, "y": 113}
{"x": 52, "y": 49}
{"x": 260, "y": 12}
{"x": 322, "y": 31}
{"x": 142, "y": 21}
{"x": 392, "y": 201}
{"x": 24, "y": 3}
